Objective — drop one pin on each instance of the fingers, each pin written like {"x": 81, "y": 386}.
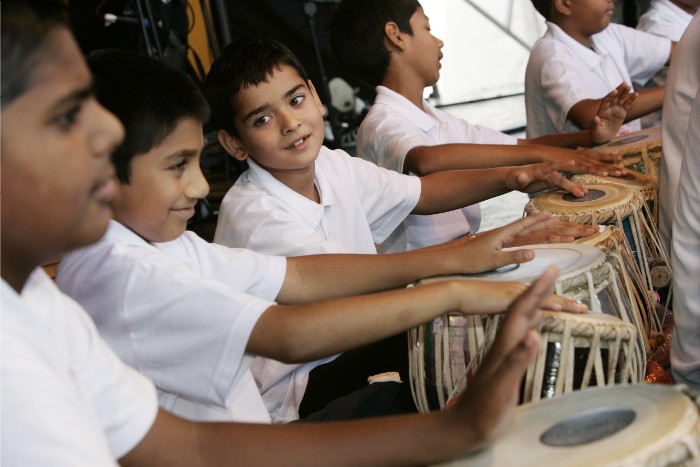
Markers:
{"x": 559, "y": 303}
{"x": 558, "y": 180}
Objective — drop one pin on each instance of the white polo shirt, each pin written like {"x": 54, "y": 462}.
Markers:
{"x": 681, "y": 87}
{"x": 394, "y": 126}
{"x": 562, "y": 72}
{"x": 181, "y": 313}
{"x": 685, "y": 344}
{"x": 664, "y": 19}
{"x": 66, "y": 397}
{"x": 361, "y": 204}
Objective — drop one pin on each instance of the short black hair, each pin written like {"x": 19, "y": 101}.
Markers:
{"x": 543, "y": 7}
{"x": 247, "y": 61}
{"x": 148, "y": 96}
{"x": 357, "y": 34}
{"x": 24, "y": 41}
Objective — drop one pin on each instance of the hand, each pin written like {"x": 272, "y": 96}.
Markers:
{"x": 585, "y": 162}
{"x": 562, "y": 232}
{"x": 612, "y": 113}
{"x": 543, "y": 176}
{"x": 484, "y": 251}
{"x": 486, "y": 408}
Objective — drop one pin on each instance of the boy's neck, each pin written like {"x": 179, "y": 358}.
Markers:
{"x": 14, "y": 272}
{"x": 302, "y": 182}
{"x": 575, "y": 34}
{"x": 412, "y": 92}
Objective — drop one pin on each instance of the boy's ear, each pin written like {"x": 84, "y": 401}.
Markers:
{"x": 394, "y": 36}
{"x": 562, "y": 7}
{"x": 317, "y": 98}
{"x": 231, "y": 145}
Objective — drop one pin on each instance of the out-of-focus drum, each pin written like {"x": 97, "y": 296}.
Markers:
{"x": 630, "y": 425}
{"x": 445, "y": 352}
{"x": 613, "y": 205}
{"x": 647, "y": 187}
{"x": 641, "y": 150}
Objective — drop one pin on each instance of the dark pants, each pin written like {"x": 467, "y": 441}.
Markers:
{"x": 338, "y": 390}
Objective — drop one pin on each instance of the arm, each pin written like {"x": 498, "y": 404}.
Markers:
{"x": 647, "y": 101}
{"x": 425, "y": 160}
{"x": 449, "y": 190}
{"x": 604, "y": 127}
{"x": 480, "y": 415}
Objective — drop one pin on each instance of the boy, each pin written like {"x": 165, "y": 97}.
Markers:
{"x": 388, "y": 44}
{"x": 580, "y": 58}
{"x": 668, "y": 18}
{"x": 191, "y": 315}
{"x": 67, "y": 399}
{"x": 298, "y": 197}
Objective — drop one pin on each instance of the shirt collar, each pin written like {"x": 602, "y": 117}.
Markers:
{"x": 425, "y": 120}
{"x": 589, "y": 57}
{"x": 310, "y": 210}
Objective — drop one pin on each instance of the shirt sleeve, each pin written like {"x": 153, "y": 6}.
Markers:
{"x": 645, "y": 53}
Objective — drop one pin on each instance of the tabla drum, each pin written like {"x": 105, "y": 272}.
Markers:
{"x": 625, "y": 425}
{"x": 612, "y": 241}
{"x": 641, "y": 150}
{"x": 444, "y": 353}
{"x": 647, "y": 187}
{"x": 613, "y": 205}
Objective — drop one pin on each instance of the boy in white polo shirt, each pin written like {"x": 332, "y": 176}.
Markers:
{"x": 668, "y": 18}
{"x": 67, "y": 399}
{"x": 191, "y": 315}
{"x": 580, "y": 58}
{"x": 388, "y": 44}
{"x": 298, "y": 197}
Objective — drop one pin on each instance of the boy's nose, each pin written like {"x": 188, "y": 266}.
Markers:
{"x": 289, "y": 122}
{"x": 107, "y": 131}
{"x": 198, "y": 187}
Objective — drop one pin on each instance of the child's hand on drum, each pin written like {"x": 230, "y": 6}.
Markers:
{"x": 585, "y": 162}
{"x": 486, "y": 408}
{"x": 561, "y": 232}
{"x": 538, "y": 177}
{"x": 612, "y": 113}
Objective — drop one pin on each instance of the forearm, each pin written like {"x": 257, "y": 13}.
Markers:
{"x": 424, "y": 160}
{"x": 570, "y": 140}
{"x": 305, "y": 332}
{"x": 399, "y": 440}
{"x": 450, "y": 190}
{"x": 649, "y": 100}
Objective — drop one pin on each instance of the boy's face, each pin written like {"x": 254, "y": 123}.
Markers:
{"x": 279, "y": 123}
{"x": 56, "y": 171}
{"x": 592, "y": 16}
{"x": 164, "y": 186}
{"x": 425, "y": 50}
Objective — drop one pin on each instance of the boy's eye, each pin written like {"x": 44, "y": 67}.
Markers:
{"x": 67, "y": 119}
{"x": 261, "y": 120}
{"x": 180, "y": 165}
{"x": 296, "y": 100}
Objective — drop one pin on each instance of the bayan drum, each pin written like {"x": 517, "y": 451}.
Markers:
{"x": 647, "y": 187}
{"x": 613, "y": 205}
{"x": 445, "y": 352}
{"x": 641, "y": 150}
{"x": 612, "y": 241}
{"x": 627, "y": 425}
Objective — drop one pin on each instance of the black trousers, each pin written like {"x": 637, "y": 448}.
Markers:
{"x": 338, "y": 390}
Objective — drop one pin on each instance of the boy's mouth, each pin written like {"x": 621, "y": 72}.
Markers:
{"x": 298, "y": 143}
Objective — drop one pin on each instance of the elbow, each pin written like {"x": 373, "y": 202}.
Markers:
{"x": 418, "y": 162}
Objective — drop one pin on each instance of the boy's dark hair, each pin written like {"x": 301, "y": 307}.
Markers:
{"x": 148, "y": 96}
{"x": 543, "y": 7}
{"x": 247, "y": 61}
{"x": 357, "y": 34}
{"x": 26, "y": 29}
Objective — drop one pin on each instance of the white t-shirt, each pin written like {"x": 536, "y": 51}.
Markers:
{"x": 393, "y": 127}
{"x": 664, "y": 19}
{"x": 682, "y": 84}
{"x": 361, "y": 204}
{"x": 66, "y": 397}
{"x": 181, "y": 313}
{"x": 562, "y": 72}
{"x": 685, "y": 343}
